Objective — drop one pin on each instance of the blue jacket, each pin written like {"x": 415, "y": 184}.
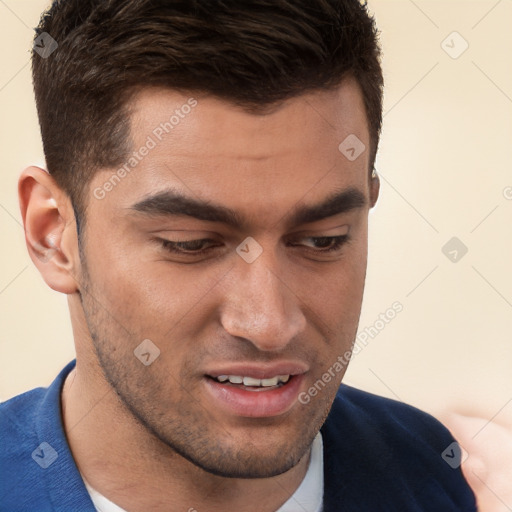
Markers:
{"x": 379, "y": 455}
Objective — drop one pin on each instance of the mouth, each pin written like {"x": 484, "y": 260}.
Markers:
{"x": 252, "y": 383}
{"x": 255, "y": 392}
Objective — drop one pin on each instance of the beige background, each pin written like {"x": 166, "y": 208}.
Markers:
{"x": 445, "y": 167}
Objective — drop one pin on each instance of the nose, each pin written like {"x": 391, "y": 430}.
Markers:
{"x": 260, "y": 307}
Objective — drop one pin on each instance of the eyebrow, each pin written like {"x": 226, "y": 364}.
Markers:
{"x": 175, "y": 203}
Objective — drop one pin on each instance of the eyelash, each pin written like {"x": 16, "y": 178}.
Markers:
{"x": 175, "y": 246}
{"x": 180, "y": 247}
{"x": 337, "y": 242}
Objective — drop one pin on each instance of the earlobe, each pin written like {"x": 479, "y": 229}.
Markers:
{"x": 48, "y": 220}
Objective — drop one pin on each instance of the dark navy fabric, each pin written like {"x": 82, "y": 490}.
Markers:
{"x": 379, "y": 455}
{"x": 383, "y": 455}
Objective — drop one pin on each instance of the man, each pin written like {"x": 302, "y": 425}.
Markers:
{"x": 205, "y": 211}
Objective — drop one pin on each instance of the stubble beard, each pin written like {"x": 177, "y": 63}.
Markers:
{"x": 191, "y": 432}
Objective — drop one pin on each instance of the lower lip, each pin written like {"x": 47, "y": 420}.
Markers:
{"x": 255, "y": 404}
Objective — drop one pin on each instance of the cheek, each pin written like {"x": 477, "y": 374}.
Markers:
{"x": 337, "y": 305}
{"x": 161, "y": 301}
{"x": 338, "y": 289}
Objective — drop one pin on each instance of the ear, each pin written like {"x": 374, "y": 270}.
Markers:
{"x": 50, "y": 229}
{"x": 374, "y": 188}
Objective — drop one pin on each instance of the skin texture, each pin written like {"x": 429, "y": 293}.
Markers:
{"x": 148, "y": 436}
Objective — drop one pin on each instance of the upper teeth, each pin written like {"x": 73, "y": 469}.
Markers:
{"x": 250, "y": 381}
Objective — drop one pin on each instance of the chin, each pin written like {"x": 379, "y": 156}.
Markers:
{"x": 249, "y": 466}
{"x": 244, "y": 457}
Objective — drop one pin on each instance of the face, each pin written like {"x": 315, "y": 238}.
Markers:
{"x": 236, "y": 243}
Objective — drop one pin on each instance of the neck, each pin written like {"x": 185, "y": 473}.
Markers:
{"x": 125, "y": 462}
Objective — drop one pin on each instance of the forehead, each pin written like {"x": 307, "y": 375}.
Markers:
{"x": 220, "y": 128}
{"x": 214, "y": 150}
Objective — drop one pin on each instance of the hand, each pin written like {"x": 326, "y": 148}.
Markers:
{"x": 488, "y": 468}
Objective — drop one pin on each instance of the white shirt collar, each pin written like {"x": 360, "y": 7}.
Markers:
{"x": 309, "y": 495}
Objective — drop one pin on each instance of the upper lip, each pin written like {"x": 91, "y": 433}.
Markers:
{"x": 259, "y": 370}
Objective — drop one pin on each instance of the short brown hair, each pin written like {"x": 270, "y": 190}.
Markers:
{"x": 253, "y": 53}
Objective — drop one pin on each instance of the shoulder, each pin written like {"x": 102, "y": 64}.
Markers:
{"x": 37, "y": 470}
{"x": 395, "y": 429}
{"x": 393, "y": 454}
{"x": 386, "y": 417}
{"x": 21, "y": 407}
{"x": 18, "y": 420}
{"x": 18, "y": 431}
